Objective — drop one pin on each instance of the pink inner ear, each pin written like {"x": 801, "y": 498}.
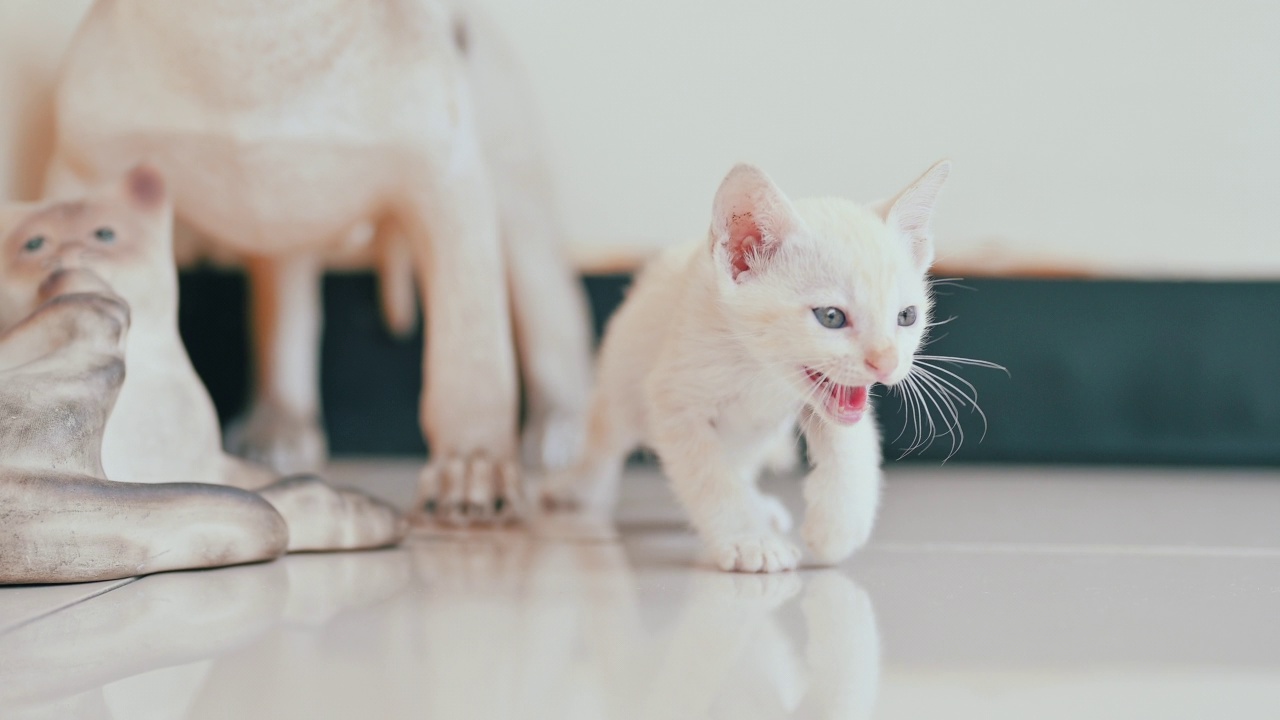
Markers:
{"x": 745, "y": 242}
{"x": 146, "y": 187}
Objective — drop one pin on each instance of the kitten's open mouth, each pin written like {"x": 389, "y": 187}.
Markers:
{"x": 844, "y": 403}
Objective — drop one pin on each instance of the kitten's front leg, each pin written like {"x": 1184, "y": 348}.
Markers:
{"x": 842, "y": 492}
{"x": 720, "y": 499}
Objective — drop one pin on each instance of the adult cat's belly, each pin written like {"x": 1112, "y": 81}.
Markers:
{"x": 262, "y": 195}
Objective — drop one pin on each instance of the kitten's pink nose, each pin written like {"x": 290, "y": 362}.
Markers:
{"x": 882, "y": 361}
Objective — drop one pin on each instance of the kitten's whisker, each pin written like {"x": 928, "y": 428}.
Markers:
{"x": 972, "y": 390}
{"x": 940, "y": 401}
{"x": 961, "y": 396}
{"x": 927, "y": 409}
{"x": 912, "y": 416}
{"x": 924, "y": 343}
{"x": 920, "y": 415}
{"x": 965, "y": 361}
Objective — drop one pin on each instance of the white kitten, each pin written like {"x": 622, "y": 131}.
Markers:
{"x": 788, "y": 312}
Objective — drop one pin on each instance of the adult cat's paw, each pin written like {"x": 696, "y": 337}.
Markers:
{"x": 764, "y": 552}
{"x": 832, "y": 534}
{"x": 459, "y": 490}
{"x": 280, "y": 439}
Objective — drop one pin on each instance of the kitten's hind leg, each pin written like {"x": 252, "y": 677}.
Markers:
{"x": 592, "y": 483}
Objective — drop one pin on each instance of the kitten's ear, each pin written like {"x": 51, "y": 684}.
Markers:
{"x": 911, "y": 212}
{"x": 750, "y": 220}
{"x": 144, "y": 188}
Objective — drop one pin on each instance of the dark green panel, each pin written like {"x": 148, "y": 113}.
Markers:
{"x": 1112, "y": 372}
{"x": 1124, "y": 372}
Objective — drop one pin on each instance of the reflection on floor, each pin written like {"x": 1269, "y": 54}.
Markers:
{"x": 1009, "y": 593}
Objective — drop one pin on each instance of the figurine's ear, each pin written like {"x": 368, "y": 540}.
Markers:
{"x": 144, "y": 188}
{"x": 750, "y": 220}
{"x": 11, "y": 214}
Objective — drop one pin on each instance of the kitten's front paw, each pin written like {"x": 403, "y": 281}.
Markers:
{"x": 774, "y": 514}
{"x": 465, "y": 490}
{"x": 832, "y": 536}
{"x": 766, "y": 552}
{"x": 278, "y": 438}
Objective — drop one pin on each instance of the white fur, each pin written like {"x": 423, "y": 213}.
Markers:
{"x": 282, "y": 126}
{"x": 705, "y": 362}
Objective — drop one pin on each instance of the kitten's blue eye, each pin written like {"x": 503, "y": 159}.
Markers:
{"x": 830, "y": 317}
{"x": 105, "y": 234}
{"x": 34, "y": 244}
{"x": 907, "y": 317}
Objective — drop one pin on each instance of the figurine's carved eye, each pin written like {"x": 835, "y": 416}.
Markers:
{"x": 830, "y": 317}
{"x": 34, "y": 243}
{"x": 105, "y": 234}
{"x": 907, "y": 317}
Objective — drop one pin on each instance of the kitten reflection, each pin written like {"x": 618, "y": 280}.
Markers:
{"x": 731, "y": 656}
{"x": 522, "y": 629}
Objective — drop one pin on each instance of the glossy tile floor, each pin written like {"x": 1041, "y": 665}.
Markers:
{"x": 986, "y": 593}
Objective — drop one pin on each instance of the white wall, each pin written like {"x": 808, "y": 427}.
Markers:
{"x": 1132, "y": 137}
{"x": 1129, "y": 137}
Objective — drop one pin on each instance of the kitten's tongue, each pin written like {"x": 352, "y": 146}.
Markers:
{"x": 847, "y": 403}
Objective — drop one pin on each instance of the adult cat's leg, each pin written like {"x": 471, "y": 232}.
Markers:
{"x": 469, "y": 404}
{"x": 282, "y": 427}
{"x": 552, "y": 330}
{"x": 842, "y": 491}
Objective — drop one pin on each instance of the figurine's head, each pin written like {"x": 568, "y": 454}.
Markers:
{"x": 121, "y": 232}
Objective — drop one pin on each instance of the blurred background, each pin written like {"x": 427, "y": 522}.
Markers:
{"x": 1112, "y": 208}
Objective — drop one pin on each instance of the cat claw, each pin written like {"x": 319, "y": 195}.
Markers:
{"x": 756, "y": 553}
{"x": 470, "y": 491}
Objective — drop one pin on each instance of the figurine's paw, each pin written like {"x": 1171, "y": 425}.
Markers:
{"x": 552, "y": 441}
{"x": 280, "y": 439}
{"x": 462, "y": 491}
{"x": 832, "y": 535}
{"x": 764, "y": 552}
{"x": 773, "y": 513}
{"x": 321, "y": 517}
